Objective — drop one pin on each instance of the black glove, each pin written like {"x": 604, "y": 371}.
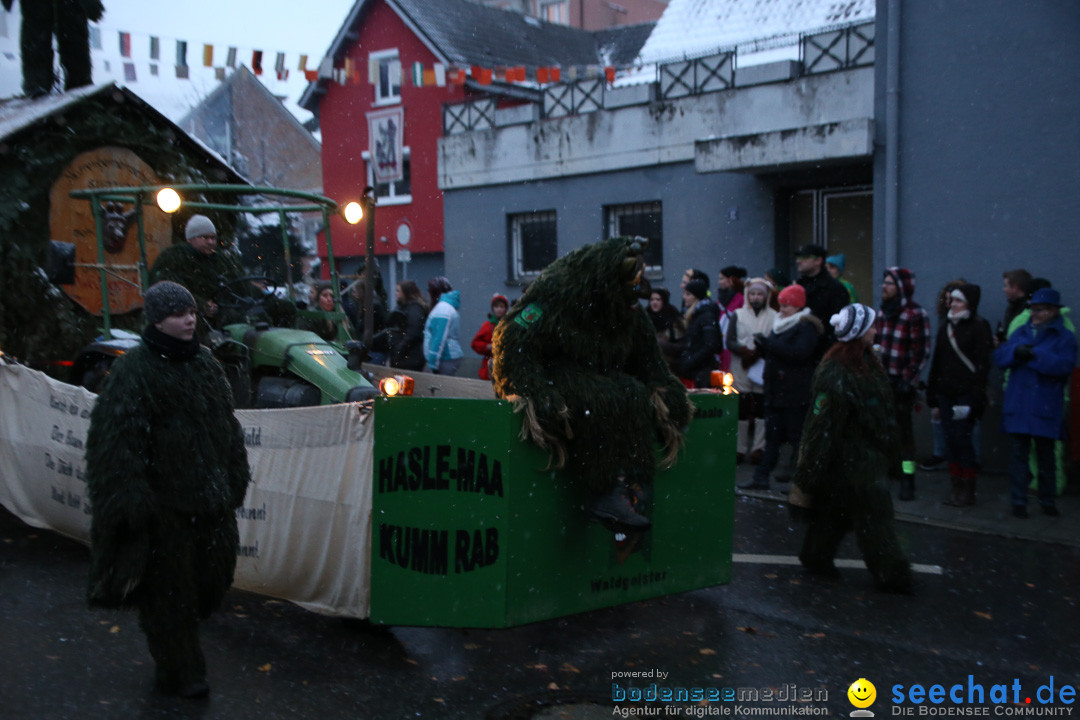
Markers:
{"x": 1023, "y": 353}
{"x": 760, "y": 340}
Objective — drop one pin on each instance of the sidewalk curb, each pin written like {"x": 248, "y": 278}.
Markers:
{"x": 991, "y": 516}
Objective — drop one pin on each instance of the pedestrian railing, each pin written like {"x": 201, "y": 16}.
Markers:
{"x": 468, "y": 116}
{"x": 574, "y": 98}
{"x": 839, "y": 49}
{"x": 700, "y": 75}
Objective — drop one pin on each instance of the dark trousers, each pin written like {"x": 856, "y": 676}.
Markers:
{"x": 190, "y": 569}
{"x": 1021, "y": 470}
{"x": 782, "y": 424}
{"x": 904, "y": 402}
{"x": 66, "y": 20}
{"x": 959, "y": 434}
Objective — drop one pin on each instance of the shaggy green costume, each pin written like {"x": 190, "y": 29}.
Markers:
{"x": 849, "y": 441}
{"x": 199, "y": 273}
{"x": 166, "y": 469}
{"x": 581, "y": 356}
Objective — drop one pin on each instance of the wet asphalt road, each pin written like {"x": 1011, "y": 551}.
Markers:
{"x": 1001, "y": 610}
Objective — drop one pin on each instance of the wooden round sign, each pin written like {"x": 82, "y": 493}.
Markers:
{"x": 72, "y": 220}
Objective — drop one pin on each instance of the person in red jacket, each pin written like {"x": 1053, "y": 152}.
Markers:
{"x": 481, "y": 342}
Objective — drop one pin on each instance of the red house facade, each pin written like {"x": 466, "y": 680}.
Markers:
{"x": 414, "y": 202}
{"x": 367, "y": 81}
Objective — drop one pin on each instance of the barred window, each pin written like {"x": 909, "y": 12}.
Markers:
{"x": 533, "y": 243}
{"x": 639, "y": 219}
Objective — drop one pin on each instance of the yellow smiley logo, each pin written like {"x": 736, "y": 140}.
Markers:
{"x": 862, "y": 693}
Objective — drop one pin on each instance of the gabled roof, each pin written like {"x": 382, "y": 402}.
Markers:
{"x": 693, "y": 28}
{"x": 245, "y": 76}
{"x": 465, "y": 33}
{"x": 20, "y": 114}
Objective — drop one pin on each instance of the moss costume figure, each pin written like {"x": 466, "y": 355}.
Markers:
{"x": 579, "y": 356}
{"x": 166, "y": 469}
{"x": 849, "y": 442}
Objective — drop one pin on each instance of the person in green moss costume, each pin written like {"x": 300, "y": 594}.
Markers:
{"x": 166, "y": 469}
{"x": 579, "y": 356}
{"x": 849, "y": 443}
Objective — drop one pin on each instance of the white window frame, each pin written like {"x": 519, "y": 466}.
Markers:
{"x": 615, "y": 213}
{"x": 386, "y": 95}
{"x": 561, "y": 8}
{"x": 516, "y": 253}
{"x": 390, "y": 198}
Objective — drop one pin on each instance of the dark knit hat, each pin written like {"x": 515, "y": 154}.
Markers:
{"x": 852, "y": 322}
{"x": 165, "y": 299}
{"x": 698, "y": 288}
{"x": 733, "y": 271}
{"x": 199, "y": 225}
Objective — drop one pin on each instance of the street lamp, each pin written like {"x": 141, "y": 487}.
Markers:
{"x": 367, "y": 200}
{"x": 168, "y": 200}
{"x": 353, "y": 212}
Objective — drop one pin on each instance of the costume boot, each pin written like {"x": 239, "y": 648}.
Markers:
{"x": 957, "y": 480}
{"x": 967, "y": 487}
{"x": 616, "y": 510}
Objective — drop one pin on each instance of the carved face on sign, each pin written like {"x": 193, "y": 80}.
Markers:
{"x": 72, "y": 221}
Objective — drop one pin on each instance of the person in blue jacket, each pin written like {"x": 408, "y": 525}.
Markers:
{"x": 1040, "y": 356}
{"x": 442, "y": 343}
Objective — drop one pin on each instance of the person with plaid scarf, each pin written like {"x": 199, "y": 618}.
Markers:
{"x": 903, "y": 331}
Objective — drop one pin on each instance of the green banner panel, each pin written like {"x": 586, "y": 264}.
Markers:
{"x": 471, "y": 529}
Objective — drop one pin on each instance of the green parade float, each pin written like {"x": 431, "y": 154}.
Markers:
{"x": 479, "y": 513}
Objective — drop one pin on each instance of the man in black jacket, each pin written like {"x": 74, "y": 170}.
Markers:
{"x": 825, "y": 296}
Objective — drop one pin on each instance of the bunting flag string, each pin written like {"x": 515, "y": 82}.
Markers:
{"x": 351, "y": 71}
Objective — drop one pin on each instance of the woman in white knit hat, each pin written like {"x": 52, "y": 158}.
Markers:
{"x": 849, "y": 442}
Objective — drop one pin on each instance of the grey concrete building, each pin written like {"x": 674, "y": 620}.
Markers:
{"x": 938, "y": 136}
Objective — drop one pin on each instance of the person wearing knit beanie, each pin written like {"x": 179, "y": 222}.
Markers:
{"x": 790, "y": 354}
{"x": 198, "y": 266}
{"x": 848, "y": 456}
{"x": 198, "y": 226}
{"x": 166, "y": 470}
{"x": 835, "y": 265}
{"x": 165, "y": 299}
{"x": 481, "y": 342}
{"x": 702, "y": 339}
{"x": 698, "y": 288}
{"x": 852, "y": 322}
{"x": 793, "y": 295}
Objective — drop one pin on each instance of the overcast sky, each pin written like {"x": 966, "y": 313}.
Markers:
{"x": 290, "y": 26}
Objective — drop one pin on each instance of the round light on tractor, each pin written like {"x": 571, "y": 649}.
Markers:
{"x": 354, "y": 213}
{"x": 168, "y": 200}
{"x": 389, "y": 386}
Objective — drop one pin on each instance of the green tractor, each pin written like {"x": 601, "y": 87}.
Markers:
{"x": 268, "y": 366}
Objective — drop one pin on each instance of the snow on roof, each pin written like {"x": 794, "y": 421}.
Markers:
{"x": 17, "y": 113}
{"x": 695, "y": 28}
